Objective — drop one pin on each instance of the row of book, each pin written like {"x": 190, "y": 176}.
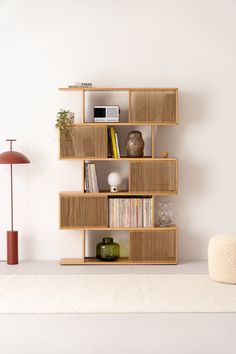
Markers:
{"x": 113, "y": 144}
{"x": 130, "y": 212}
{"x": 90, "y": 178}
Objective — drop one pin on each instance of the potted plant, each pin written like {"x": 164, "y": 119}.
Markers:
{"x": 64, "y": 122}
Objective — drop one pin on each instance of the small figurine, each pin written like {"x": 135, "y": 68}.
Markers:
{"x": 164, "y": 154}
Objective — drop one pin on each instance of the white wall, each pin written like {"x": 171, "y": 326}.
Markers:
{"x": 188, "y": 44}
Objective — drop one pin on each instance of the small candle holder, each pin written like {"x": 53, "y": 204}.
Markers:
{"x": 164, "y": 213}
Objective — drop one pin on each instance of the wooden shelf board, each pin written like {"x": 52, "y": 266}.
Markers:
{"x": 145, "y": 158}
{"x": 124, "y": 123}
{"x": 125, "y": 193}
{"x": 102, "y": 228}
{"x": 125, "y": 158}
{"x": 120, "y": 261}
{"x": 115, "y": 89}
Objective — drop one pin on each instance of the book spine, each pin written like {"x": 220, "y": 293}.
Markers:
{"x": 88, "y": 178}
{"x": 92, "y": 177}
{"x": 127, "y": 212}
{"x": 118, "y": 211}
{"x": 109, "y": 148}
{"x": 144, "y": 212}
{"x": 150, "y": 211}
{"x": 114, "y": 213}
{"x": 140, "y": 212}
{"x": 122, "y": 212}
{"x": 149, "y": 214}
{"x": 113, "y": 141}
{"x": 132, "y": 212}
{"x": 117, "y": 145}
{"x": 109, "y": 212}
{"x": 85, "y": 178}
{"x": 96, "y": 189}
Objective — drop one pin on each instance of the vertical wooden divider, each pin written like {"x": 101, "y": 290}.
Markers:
{"x": 83, "y": 106}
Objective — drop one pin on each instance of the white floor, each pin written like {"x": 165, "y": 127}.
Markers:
{"x": 85, "y": 334}
{"x": 53, "y": 267}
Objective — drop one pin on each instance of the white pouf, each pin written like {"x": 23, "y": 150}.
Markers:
{"x": 222, "y": 258}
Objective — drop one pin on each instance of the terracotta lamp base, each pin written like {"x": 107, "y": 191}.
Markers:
{"x": 12, "y": 247}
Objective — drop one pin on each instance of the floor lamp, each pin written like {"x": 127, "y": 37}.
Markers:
{"x": 11, "y": 158}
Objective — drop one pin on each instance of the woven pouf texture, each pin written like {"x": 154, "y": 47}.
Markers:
{"x": 222, "y": 258}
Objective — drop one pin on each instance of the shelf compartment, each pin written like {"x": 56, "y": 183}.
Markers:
{"x": 83, "y": 212}
{"x": 160, "y": 245}
{"x": 153, "y": 106}
{"x": 100, "y": 98}
{"x": 84, "y": 141}
{"x": 158, "y": 176}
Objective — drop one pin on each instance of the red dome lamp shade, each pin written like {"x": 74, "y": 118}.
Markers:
{"x": 11, "y": 158}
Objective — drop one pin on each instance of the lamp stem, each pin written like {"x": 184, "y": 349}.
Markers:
{"x": 11, "y": 200}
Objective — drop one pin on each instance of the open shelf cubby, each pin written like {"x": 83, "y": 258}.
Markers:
{"x": 143, "y": 179}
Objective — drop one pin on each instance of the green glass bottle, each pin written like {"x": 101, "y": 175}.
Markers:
{"x": 107, "y": 250}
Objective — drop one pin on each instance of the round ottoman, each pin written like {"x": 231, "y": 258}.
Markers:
{"x": 222, "y": 258}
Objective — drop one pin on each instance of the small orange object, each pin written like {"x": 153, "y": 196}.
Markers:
{"x": 164, "y": 154}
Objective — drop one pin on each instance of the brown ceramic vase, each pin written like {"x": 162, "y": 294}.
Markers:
{"x": 134, "y": 144}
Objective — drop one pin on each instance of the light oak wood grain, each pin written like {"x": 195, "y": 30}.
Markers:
{"x": 85, "y": 141}
{"x": 159, "y": 176}
{"x": 153, "y": 106}
{"x": 82, "y": 212}
{"x": 120, "y": 261}
{"x": 153, "y": 245}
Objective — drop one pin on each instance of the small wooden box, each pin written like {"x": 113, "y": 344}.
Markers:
{"x": 84, "y": 211}
{"x": 154, "y": 106}
{"x": 158, "y": 176}
{"x": 84, "y": 142}
{"x": 153, "y": 246}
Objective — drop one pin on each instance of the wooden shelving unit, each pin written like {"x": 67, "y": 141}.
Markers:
{"x": 148, "y": 176}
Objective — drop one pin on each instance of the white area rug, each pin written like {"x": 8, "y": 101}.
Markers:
{"x": 114, "y": 293}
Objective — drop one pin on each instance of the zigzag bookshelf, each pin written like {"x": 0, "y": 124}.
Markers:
{"x": 148, "y": 177}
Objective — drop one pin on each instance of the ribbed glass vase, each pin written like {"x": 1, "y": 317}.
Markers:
{"x": 107, "y": 250}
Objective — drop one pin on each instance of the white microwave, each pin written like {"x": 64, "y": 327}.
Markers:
{"x": 106, "y": 113}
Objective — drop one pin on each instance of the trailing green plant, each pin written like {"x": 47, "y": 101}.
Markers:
{"x": 64, "y": 122}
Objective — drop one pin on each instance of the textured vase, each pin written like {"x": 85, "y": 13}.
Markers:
{"x": 107, "y": 250}
{"x": 134, "y": 144}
